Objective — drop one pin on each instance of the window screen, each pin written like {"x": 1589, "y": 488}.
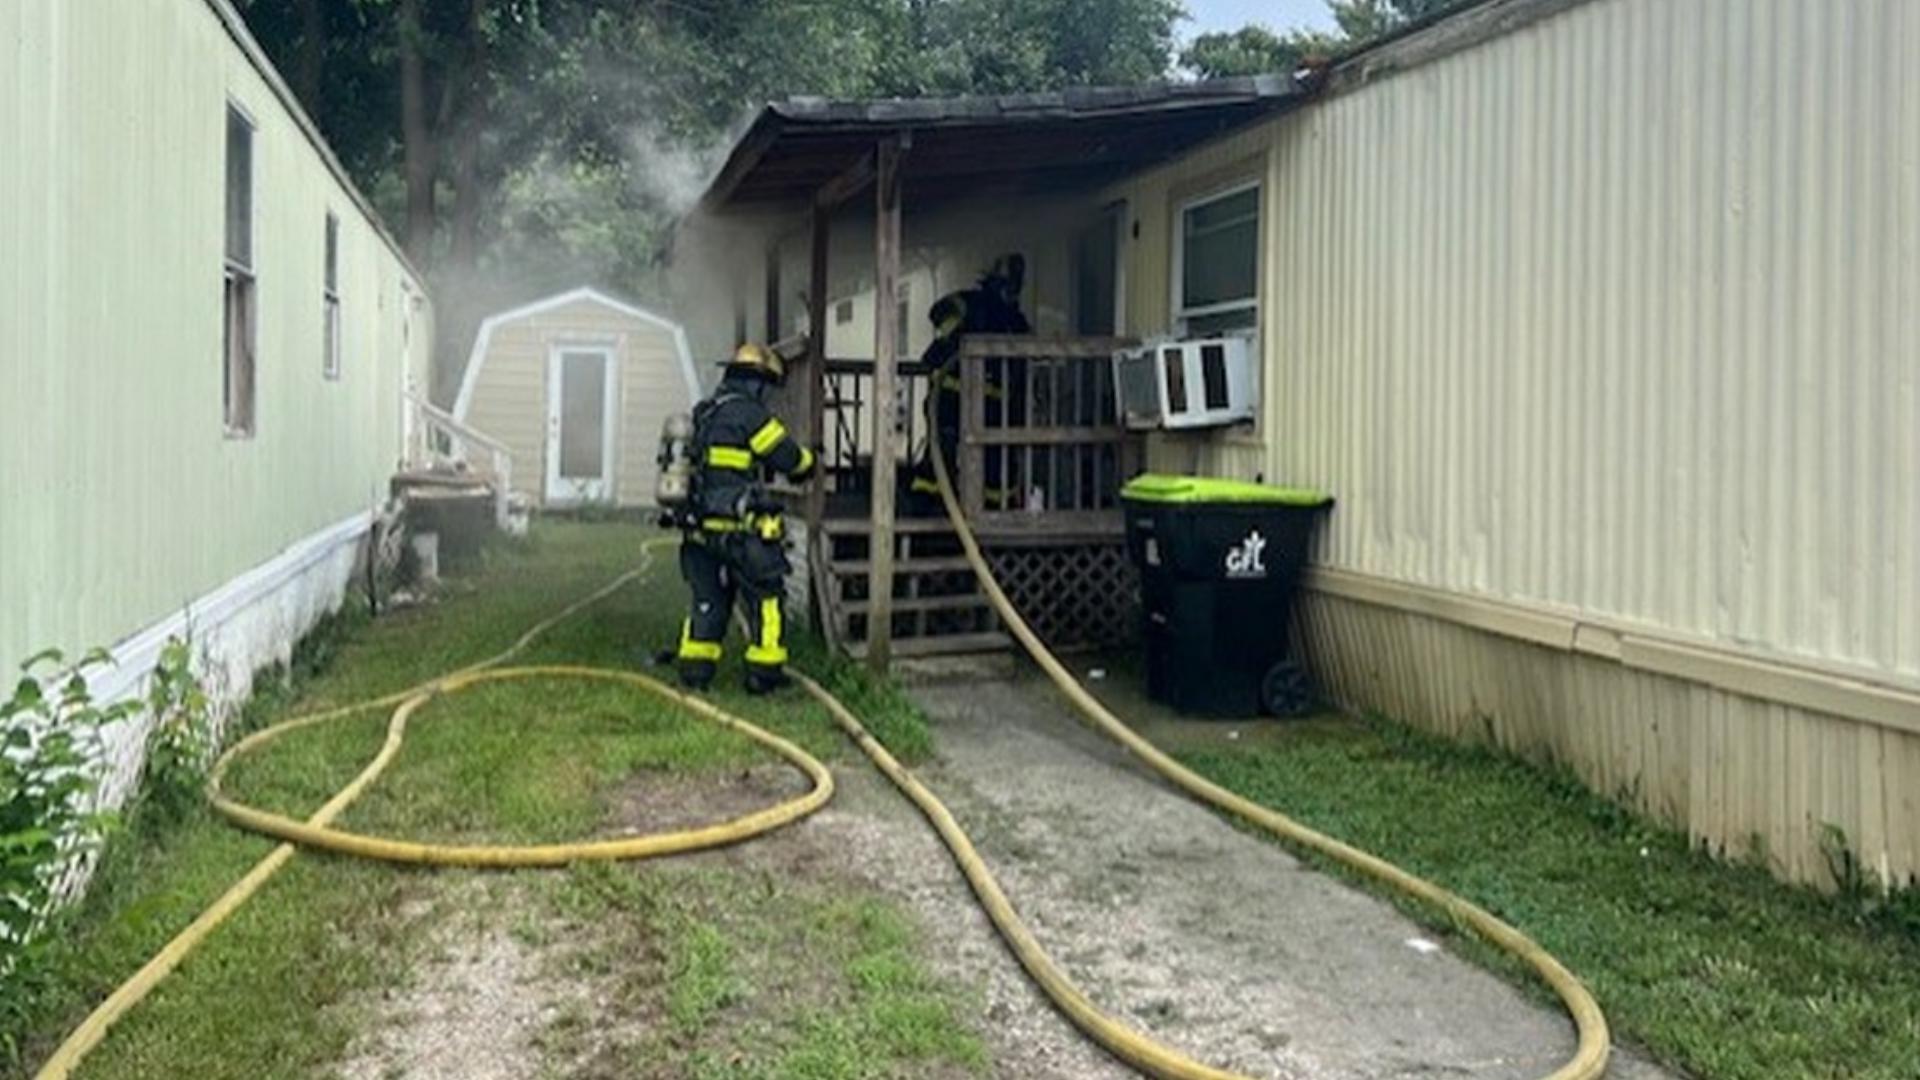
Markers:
{"x": 238, "y": 322}
{"x": 1220, "y": 262}
{"x": 239, "y": 189}
{"x": 330, "y": 303}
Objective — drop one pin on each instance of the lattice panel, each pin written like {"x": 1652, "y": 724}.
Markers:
{"x": 1072, "y": 595}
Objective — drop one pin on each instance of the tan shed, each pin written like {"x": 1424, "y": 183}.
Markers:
{"x": 576, "y": 386}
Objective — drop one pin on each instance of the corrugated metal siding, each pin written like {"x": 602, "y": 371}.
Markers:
{"x": 123, "y": 498}
{"x": 1750, "y": 779}
{"x": 1616, "y": 314}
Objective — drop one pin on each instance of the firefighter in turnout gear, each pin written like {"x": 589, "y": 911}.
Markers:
{"x": 990, "y": 307}
{"x": 733, "y": 528}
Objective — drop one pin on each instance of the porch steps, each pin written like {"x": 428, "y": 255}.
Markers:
{"x": 938, "y": 607}
{"x": 941, "y": 645}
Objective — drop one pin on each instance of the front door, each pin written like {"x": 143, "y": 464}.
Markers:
{"x": 580, "y": 397}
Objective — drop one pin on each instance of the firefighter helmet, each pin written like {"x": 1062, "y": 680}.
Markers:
{"x": 756, "y": 357}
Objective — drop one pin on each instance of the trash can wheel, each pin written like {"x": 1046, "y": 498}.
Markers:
{"x": 1284, "y": 691}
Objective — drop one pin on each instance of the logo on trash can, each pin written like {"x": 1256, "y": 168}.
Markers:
{"x": 1247, "y": 559}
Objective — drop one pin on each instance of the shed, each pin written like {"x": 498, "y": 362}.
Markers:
{"x": 576, "y": 385}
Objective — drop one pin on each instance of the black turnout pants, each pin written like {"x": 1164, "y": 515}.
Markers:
{"x": 717, "y": 568}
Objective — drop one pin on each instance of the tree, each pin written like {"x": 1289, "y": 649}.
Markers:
{"x": 1253, "y": 50}
{"x": 528, "y": 145}
{"x": 1363, "y": 20}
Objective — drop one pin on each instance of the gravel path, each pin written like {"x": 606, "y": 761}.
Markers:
{"x": 1207, "y": 937}
{"x": 1200, "y": 934}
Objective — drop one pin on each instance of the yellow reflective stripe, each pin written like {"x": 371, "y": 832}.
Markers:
{"x": 806, "y": 460}
{"x": 696, "y": 650}
{"x": 768, "y": 436}
{"x": 722, "y": 525}
{"x": 768, "y": 650}
{"x": 729, "y": 457}
{"x": 922, "y": 485}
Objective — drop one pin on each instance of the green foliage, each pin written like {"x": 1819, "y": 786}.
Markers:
{"x": 180, "y": 742}
{"x": 1254, "y": 50}
{"x": 1716, "y": 968}
{"x": 50, "y": 759}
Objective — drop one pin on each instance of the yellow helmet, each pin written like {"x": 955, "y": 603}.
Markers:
{"x": 756, "y": 357}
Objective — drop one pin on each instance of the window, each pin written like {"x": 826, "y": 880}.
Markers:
{"x": 238, "y": 331}
{"x": 843, "y": 312}
{"x": 1216, "y": 260}
{"x": 330, "y": 302}
{"x": 902, "y": 335}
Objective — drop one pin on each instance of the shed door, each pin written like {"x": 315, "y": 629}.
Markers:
{"x": 580, "y": 400}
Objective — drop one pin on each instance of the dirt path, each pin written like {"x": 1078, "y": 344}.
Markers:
{"x": 1207, "y": 937}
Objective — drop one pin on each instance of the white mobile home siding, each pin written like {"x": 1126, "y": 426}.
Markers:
{"x": 124, "y": 501}
{"x": 1613, "y": 323}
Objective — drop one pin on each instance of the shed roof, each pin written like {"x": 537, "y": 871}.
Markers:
{"x": 1027, "y": 142}
{"x": 483, "y": 339}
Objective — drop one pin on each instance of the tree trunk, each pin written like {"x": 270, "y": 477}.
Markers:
{"x": 416, "y": 134}
{"x": 466, "y": 151}
{"x": 311, "y": 66}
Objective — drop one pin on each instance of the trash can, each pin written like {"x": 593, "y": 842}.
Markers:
{"x": 1220, "y": 564}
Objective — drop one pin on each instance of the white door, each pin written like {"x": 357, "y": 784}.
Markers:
{"x": 580, "y": 397}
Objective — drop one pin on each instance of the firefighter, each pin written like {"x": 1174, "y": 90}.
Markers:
{"x": 734, "y": 532}
{"x": 990, "y": 307}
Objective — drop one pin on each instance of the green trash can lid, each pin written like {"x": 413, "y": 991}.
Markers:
{"x": 1168, "y": 488}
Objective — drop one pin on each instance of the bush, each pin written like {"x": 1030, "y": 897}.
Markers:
{"x": 50, "y": 762}
{"x": 180, "y": 743}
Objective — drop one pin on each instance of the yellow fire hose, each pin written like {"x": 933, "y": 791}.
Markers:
{"x": 1151, "y": 1057}
{"x": 1589, "y": 1059}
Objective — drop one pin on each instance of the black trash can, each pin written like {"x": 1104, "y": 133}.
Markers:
{"x": 1220, "y": 564}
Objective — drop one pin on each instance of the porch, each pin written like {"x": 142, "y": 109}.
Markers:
{"x": 1041, "y": 455}
{"x": 1039, "y": 466}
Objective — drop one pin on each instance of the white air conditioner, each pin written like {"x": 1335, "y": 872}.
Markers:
{"x": 1186, "y": 384}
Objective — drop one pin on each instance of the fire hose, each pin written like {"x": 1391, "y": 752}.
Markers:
{"x": 1149, "y": 1056}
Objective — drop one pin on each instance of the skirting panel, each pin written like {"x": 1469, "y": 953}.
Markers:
{"x": 1742, "y": 776}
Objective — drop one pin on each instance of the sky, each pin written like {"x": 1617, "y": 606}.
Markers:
{"x": 1210, "y": 15}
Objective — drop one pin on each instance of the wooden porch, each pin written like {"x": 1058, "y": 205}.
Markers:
{"x": 1040, "y": 462}
{"x": 1041, "y": 455}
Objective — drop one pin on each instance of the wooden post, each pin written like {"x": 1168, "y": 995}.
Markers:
{"x": 814, "y": 401}
{"x": 773, "y": 292}
{"x": 815, "y": 398}
{"x": 886, "y": 270}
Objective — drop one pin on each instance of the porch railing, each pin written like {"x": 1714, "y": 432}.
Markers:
{"x": 1042, "y": 450}
{"x": 847, "y": 414}
{"x": 446, "y": 441}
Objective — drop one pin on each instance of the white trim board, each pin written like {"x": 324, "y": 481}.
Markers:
{"x": 482, "y": 340}
{"x": 135, "y": 655}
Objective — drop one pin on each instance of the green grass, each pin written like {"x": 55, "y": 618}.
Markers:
{"x": 1718, "y": 969}
{"x": 273, "y": 992}
{"x": 759, "y": 976}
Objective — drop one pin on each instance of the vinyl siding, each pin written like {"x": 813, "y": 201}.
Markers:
{"x": 1613, "y": 317}
{"x": 509, "y": 399}
{"x": 124, "y": 500}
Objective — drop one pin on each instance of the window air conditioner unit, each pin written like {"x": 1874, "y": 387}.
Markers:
{"x": 1186, "y": 384}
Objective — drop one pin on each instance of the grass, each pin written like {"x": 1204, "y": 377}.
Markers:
{"x": 1718, "y": 969}
{"x": 273, "y": 992}
{"x": 758, "y": 976}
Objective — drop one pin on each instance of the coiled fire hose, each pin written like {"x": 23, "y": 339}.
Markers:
{"x": 1589, "y": 1058}
{"x": 1151, "y": 1057}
